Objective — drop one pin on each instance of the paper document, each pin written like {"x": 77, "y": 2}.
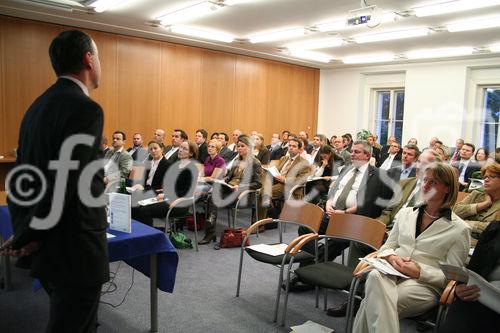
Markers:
{"x": 311, "y": 327}
{"x": 146, "y": 202}
{"x": 273, "y": 170}
{"x": 490, "y": 294}
{"x": 108, "y": 235}
{"x": 269, "y": 249}
{"x": 383, "y": 266}
{"x": 218, "y": 181}
{"x": 120, "y": 212}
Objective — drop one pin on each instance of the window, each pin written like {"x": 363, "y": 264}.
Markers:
{"x": 389, "y": 111}
{"x": 491, "y": 112}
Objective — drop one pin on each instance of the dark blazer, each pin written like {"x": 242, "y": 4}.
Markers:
{"x": 252, "y": 172}
{"x": 384, "y": 152}
{"x": 227, "y": 154}
{"x": 139, "y": 155}
{"x": 263, "y": 156}
{"x": 157, "y": 182}
{"x": 396, "y": 161}
{"x": 74, "y": 252}
{"x": 202, "y": 152}
{"x": 471, "y": 168}
{"x": 174, "y": 158}
{"x": 374, "y": 185}
{"x": 376, "y": 154}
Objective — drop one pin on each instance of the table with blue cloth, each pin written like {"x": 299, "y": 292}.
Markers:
{"x": 146, "y": 249}
{"x": 5, "y": 233}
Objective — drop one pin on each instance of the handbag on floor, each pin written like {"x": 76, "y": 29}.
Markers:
{"x": 200, "y": 222}
{"x": 180, "y": 240}
{"x": 232, "y": 237}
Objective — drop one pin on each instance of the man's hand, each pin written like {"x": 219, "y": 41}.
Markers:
{"x": 26, "y": 250}
{"x": 280, "y": 178}
{"x": 467, "y": 293}
{"x": 329, "y": 207}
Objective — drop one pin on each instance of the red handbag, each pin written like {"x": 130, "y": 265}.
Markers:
{"x": 200, "y": 222}
{"x": 231, "y": 237}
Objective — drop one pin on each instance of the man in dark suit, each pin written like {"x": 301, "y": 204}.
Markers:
{"x": 59, "y": 236}
{"x": 137, "y": 151}
{"x": 178, "y": 137}
{"x": 455, "y": 151}
{"x": 392, "y": 159}
{"x": 384, "y": 151}
{"x": 375, "y": 151}
{"x": 226, "y": 153}
{"x": 466, "y": 166}
{"x": 201, "y": 140}
{"x": 308, "y": 147}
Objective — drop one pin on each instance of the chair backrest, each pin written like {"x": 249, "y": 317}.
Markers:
{"x": 461, "y": 196}
{"x": 357, "y": 228}
{"x": 136, "y": 172}
{"x": 302, "y": 212}
{"x": 3, "y": 198}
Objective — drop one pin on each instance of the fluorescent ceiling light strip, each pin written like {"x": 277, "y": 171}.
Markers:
{"x": 204, "y": 34}
{"x": 335, "y": 25}
{"x": 277, "y": 35}
{"x": 368, "y": 58}
{"x": 52, "y": 5}
{"x": 445, "y": 7}
{"x": 494, "y": 47}
{"x": 389, "y": 35}
{"x": 477, "y": 23}
{"x": 188, "y": 13}
{"x": 388, "y": 17}
{"x": 103, "y": 5}
{"x": 438, "y": 53}
{"x": 310, "y": 55}
{"x": 320, "y": 43}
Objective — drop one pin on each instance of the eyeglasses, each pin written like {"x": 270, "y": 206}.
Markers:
{"x": 490, "y": 177}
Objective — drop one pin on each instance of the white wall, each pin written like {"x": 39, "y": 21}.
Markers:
{"x": 436, "y": 97}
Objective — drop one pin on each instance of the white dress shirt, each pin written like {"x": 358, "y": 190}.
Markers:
{"x": 351, "y": 197}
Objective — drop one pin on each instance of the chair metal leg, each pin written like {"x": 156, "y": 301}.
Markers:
{"x": 350, "y": 304}
{"x": 278, "y": 294}
{"x": 239, "y": 272}
{"x": 325, "y": 300}
{"x": 195, "y": 227}
{"x": 316, "y": 291}
{"x": 287, "y": 289}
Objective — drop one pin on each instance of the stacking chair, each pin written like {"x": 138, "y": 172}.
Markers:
{"x": 431, "y": 318}
{"x": 246, "y": 199}
{"x": 298, "y": 213}
{"x": 332, "y": 275}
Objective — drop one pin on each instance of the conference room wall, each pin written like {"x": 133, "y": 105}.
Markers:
{"x": 437, "y": 98}
{"x": 148, "y": 84}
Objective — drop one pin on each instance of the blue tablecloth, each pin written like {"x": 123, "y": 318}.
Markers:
{"x": 135, "y": 249}
{"x": 5, "y": 223}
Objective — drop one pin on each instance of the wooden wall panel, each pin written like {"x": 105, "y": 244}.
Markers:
{"x": 138, "y": 71}
{"x": 217, "y": 94}
{"x": 180, "y": 93}
{"x": 149, "y": 84}
{"x": 250, "y": 100}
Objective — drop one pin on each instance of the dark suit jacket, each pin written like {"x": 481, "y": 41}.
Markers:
{"x": 374, "y": 189}
{"x": 395, "y": 161}
{"x": 227, "y": 154}
{"x": 74, "y": 252}
{"x": 202, "y": 152}
{"x": 139, "y": 155}
{"x": 471, "y": 168}
{"x": 174, "y": 158}
{"x": 157, "y": 182}
{"x": 263, "y": 156}
{"x": 376, "y": 154}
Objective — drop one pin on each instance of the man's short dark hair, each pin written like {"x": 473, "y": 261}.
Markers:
{"x": 470, "y": 145}
{"x": 226, "y": 137}
{"x": 203, "y": 133}
{"x": 285, "y": 131}
{"x": 67, "y": 51}
{"x": 120, "y": 132}
{"x": 184, "y": 136}
{"x": 299, "y": 142}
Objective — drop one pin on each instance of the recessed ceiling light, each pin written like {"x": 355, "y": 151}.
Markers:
{"x": 444, "y": 7}
{"x": 190, "y": 12}
{"x": 103, "y": 5}
{"x": 394, "y": 34}
{"x": 477, "y": 23}
{"x": 201, "y": 33}
{"x": 440, "y": 52}
{"x": 368, "y": 58}
{"x": 334, "y": 25}
{"x": 277, "y": 35}
{"x": 320, "y": 43}
{"x": 310, "y": 55}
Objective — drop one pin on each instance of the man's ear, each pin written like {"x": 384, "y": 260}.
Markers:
{"x": 87, "y": 60}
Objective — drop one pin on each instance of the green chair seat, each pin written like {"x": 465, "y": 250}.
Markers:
{"x": 276, "y": 260}
{"x": 330, "y": 275}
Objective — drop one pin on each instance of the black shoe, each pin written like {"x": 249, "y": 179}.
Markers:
{"x": 207, "y": 239}
{"x": 296, "y": 285}
{"x": 338, "y": 311}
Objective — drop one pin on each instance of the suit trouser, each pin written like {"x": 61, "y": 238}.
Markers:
{"x": 387, "y": 299}
{"x": 72, "y": 308}
{"x": 464, "y": 317}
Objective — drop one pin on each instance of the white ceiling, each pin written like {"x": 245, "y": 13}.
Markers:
{"x": 257, "y": 16}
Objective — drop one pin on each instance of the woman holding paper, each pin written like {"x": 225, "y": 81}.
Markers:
{"x": 422, "y": 237}
{"x": 467, "y": 313}
{"x": 180, "y": 181}
{"x": 213, "y": 168}
{"x": 260, "y": 150}
{"x": 244, "y": 174}
{"x": 324, "y": 170}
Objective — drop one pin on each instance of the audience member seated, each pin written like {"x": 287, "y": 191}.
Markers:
{"x": 119, "y": 161}
{"x": 305, "y": 140}
{"x": 481, "y": 156}
{"x": 180, "y": 182}
{"x": 393, "y": 158}
{"x": 360, "y": 189}
{"x": 215, "y": 135}
{"x": 213, "y": 168}
{"x": 466, "y": 165}
{"x": 384, "y": 151}
{"x": 443, "y": 153}
{"x": 260, "y": 151}
{"x": 410, "y": 188}
{"x": 293, "y": 169}
{"x": 303, "y": 153}
{"x": 275, "y": 143}
{"x": 319, "y": 181}
{"x": 375, "y": 151}
{"x": 226, "y": 153}
{"x": 455, "y": 151}
{"x": 282, "y": 150}
{"x": 245, "y": 174}
{"x": 200, "y": 138}
{"x": 478, "y": 209}
{"x": 159, "y": 136}
{"x": 104, "y": 145}
{"x": 234, "y": 136}
{"x": 407, "y": 168}
{"x": 422, "y": 237}
{"x": 178, "y": 137}
{"x": 412, "y": 141}
{"x": 137, "y": 151}
{"x": 339, "y": 149}
{"x": 319, "y": 140}
{"x": 466, "y": 313}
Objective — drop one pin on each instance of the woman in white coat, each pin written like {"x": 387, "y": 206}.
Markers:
{"x": 422, "y": 237}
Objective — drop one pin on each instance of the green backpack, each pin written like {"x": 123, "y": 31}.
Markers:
{"x": 180, "y": 240}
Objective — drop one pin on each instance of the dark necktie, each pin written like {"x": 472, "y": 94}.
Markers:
{"x": 342, "y": 199}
